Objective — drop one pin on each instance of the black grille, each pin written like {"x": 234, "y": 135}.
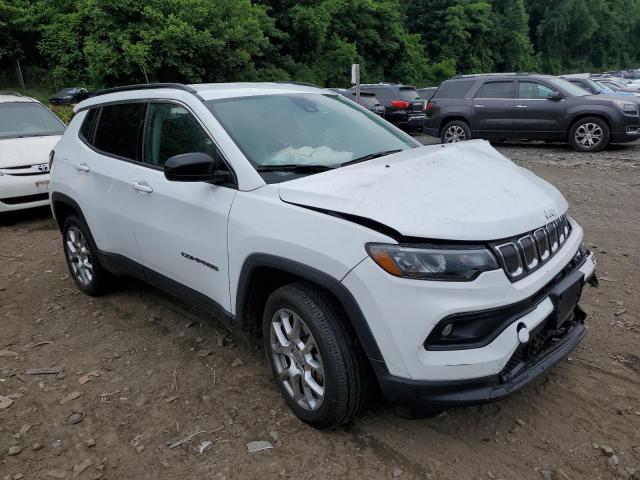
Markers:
{"x": 511, "y": 258}
{"x": 525, "y": 253}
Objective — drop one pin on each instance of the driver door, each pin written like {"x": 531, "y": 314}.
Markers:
{"x": 181, "y": 227}
{"x": 536, "y": 115}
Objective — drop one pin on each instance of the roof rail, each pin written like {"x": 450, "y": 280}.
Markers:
{"x": 144, "y": 86}
{"x": 295, "y": 82}
{"x": 496, "y": 74}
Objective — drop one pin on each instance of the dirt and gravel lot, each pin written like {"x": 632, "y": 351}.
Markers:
{"x": 143, "y": 372}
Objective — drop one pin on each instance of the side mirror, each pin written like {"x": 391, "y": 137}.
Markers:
{"x": 555, "y": 96}
{"x": 195, "y": 167}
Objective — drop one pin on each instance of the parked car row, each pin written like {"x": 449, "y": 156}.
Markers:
{"x": 587, "y": 113}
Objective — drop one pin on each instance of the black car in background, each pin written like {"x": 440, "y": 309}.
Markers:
{"x": 403, "y": 106}
{"x": 367, "y": 100}
{"x": 529, "y": 107}
{"x": 69, "y": 96}
{"x": 426, "y": 93}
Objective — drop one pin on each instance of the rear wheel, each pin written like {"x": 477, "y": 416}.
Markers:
{"x": 590, "y": 134}
{"x": 314, "y": 360}
{"x": 84, "y": 267}
{"x": 455, "y": 131}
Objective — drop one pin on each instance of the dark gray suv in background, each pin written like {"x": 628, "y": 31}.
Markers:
{"x": 529, "y": 107}
{"x": 403, "y": 106}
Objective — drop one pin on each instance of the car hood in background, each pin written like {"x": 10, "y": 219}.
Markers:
{"x": 465, "y": 191}
{"x": 17, "y": 152}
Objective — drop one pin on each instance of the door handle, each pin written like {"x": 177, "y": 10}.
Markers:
{"x": 522, "y": 106}
{"x": 83, "y": 167}
{"x": 142, "y": 187}
{"x": 477, "y": 105}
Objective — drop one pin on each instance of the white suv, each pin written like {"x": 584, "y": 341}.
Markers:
{"x": 28, "y": 132}
{"x": 447, "y": 274}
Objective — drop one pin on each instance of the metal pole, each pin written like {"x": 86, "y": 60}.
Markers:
{"x": 20, "y": 78}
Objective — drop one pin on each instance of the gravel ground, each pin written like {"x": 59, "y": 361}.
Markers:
{"x": 143, "y": 372}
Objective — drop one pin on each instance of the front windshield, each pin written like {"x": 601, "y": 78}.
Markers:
{"x": 27, "y": 119}
{"x": 569, "y": 88}
{"x": 305, "y": 129}
{"x": 600, "y": 86}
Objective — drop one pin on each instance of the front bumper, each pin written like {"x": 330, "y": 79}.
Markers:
{"x": 416, "y": 399}
{"x": 21, "y": 192}
{"x": 629, "y": 134}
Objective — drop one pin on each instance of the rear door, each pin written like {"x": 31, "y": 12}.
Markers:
{"x": 112, "y": 138}
{"x": 181, "y": 226}
{"x": 493, "y": 109}
{"x": 537, "y": 116}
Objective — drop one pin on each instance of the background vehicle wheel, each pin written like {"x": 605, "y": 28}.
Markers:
{"x": 84, "y": 267}
{"x": 456, "y": 131}
{"x": 590, "y": 134}
{"x": 315, "y": 361}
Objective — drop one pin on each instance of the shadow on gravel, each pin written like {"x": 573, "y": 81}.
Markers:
{"x": 25, "y": 216}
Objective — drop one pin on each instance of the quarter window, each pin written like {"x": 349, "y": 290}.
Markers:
{"x": 172, "y": 130}
{"x": 119, "y": 130}
{"x": 533, "y": 90}
{"x": 87, "y": 125}
{"x": 496, "y": 90}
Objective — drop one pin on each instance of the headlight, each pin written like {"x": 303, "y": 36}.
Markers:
{"x": 627, "y": 107}
{"x": 428, "y": 263}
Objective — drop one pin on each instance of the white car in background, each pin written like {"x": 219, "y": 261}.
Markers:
{"x": 28, "y": 133}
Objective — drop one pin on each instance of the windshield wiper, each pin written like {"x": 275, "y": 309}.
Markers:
{"x": 371, "y": 156}
{"x": 296, "y": 168}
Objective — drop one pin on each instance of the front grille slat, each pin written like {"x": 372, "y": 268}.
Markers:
{"x": 524, "y": 254}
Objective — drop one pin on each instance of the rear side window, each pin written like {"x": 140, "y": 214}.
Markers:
{"x": 86, "y": 130}
{"x": 454, "y": 89}
{"x": 496, "y": 90}
{"x": 119, "y": 130}
{"x": 172, "y": 130}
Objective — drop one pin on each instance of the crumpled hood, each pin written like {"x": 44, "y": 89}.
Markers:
{"x": 464, "y": 191}
{"x": 16, "y": 152}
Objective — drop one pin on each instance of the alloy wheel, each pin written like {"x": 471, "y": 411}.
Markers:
{"x": 297, "y": 359}
{"x": 589, "y": 134}
{"x": 79, "y": 256}
{"x": 454, "y": 134}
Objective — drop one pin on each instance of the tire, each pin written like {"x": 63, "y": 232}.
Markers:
{"x": 589, "y": 134}
{"x": 304, "y": 332}
{"x": 82, "y": 260}
{"x": 455, "y": 131}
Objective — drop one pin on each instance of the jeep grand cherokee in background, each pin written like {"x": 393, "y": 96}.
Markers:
{"x": 403, "y": 106}
{"x": 530, "y": 107}
{"x": 447, "y": 274}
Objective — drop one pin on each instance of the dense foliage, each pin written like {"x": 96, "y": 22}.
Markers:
{"x": 107, "y": 42}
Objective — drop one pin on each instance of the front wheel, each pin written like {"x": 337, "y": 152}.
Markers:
{"x": 589, "y": 134}
{"x": 455, "y": 131}
{"x": 314, "y": 359}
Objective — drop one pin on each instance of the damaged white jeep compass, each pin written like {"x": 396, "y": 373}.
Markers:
{"x": 447, "y": 274}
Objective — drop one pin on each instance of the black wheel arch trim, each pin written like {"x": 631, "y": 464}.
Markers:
{"x": 329, "y": 283}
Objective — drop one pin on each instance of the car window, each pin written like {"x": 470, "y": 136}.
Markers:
{"x": 456, "y": 89}
{"x": 172, "y": 130}
{"x": 533, "y": 90}
{"x": 28, "y": 119}
{"x": 304, "y": 129}
{"x": 496, "y": 90}
{"x": 119, "y": 129}
{"x": 86, "y": 129}
{"x": 409, "y": 94}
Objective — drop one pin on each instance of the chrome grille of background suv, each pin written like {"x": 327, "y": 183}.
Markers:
{"x": 525, "y": 253}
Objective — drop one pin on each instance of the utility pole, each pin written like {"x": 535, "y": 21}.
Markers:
{"x": 20, "y": 78}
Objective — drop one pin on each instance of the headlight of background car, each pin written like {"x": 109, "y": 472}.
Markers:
{"x": 445, "y": 264}
{"x": 627, "y": 107}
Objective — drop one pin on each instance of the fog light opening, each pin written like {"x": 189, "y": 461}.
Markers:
{"x": 447, "y": 329}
